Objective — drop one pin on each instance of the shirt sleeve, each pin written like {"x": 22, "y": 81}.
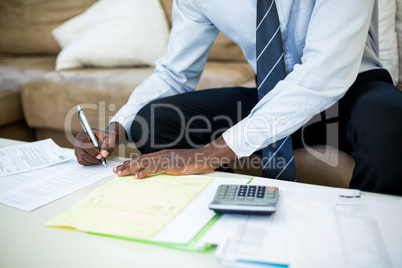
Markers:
{"x": 190, "y": 41}
{"x": 335, "y": 42}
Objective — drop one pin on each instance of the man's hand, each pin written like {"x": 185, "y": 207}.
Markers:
{"x": 108, "y": 138}
{"x": 179, "y": 161}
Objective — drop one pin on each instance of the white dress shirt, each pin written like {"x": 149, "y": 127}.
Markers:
{"x": 326, "y": 44}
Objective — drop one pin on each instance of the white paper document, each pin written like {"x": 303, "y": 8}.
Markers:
{"x": 257, "y": 239}
{"x": 194, "y": 216}
{"x": 30, "y": 156}
{"x": 33, "y": 189}
{"x": 313, "y": 226}
{"x": 328, "y": 230}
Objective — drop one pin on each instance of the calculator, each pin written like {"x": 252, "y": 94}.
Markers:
{"x": 245, "y": 199}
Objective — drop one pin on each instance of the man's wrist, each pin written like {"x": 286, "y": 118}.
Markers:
{"x": 119, "y": 129}
{"x": 218, "y": 153}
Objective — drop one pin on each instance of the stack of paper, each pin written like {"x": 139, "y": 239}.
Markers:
{"x": 165, "y": 210}
{"x": 35, "y": 174}
{"x": 132, "y": 208}
{"x": 30, "y": 156}
{"x": 313, "y": 226}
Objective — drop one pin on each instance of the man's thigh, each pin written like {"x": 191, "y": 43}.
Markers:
{"x": 367, "y": 124}
{"x": 373, "y": 126}
{"x": 334, "y": 126}
{"x": 191, "y": 119}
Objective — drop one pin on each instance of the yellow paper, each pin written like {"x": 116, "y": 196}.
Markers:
{"x": 129, "y": 207}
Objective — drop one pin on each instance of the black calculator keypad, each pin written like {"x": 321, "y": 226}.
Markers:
{"x": 245, "y": 192}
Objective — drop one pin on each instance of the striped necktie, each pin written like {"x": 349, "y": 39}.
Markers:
{"x": 277, "y": 157}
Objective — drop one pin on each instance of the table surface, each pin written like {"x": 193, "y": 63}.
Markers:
{"x": 25, "y": 241}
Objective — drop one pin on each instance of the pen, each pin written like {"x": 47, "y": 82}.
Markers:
{"x": 87, "y": 128}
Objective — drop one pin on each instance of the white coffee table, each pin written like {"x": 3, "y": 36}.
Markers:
{"x": 25, "y": 241}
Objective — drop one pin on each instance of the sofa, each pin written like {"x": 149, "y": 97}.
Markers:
{"x": 38, "y": 102}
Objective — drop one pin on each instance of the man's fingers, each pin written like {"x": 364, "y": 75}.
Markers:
{"x": 127, "y": 168}
{"x": 138, "y": 164}
{"x": 146, "y": 171}
{"x": 120, "y": 167}
{"x": 84, "y": 158}
{"x": 87, "y": 160}
{"x": 84, "y": 150}
{"x": 84, "y": 143}
{"x": 108, "y": 145}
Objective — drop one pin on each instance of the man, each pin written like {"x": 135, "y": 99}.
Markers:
{"x": 331, "y": 56}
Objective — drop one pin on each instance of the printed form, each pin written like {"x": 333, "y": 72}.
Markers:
{"x": 35, "y": 174}
{"x": 30, "y": 156}
{"x": 134, "y": 208}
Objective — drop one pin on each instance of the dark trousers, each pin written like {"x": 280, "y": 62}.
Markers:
{"x": 369, "y": 119}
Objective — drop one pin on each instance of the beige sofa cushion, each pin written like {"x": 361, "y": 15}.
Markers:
{"x": 18, "y": 131}
{"x": 388, "y": 38}
{"x": 108, "y": 89}
{"x": 25, "y": 25}
{"x": 11, "y": 110}
{"x": 14, "y": 73}
{"x": 114, "y": 33}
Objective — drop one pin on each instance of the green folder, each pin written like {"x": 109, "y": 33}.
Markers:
{"x": 136, "y": 210}
{"x": 190, "y": 246}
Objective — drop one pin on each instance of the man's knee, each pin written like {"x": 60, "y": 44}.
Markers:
{"x": 377, "y": 114}
{"x": 156, "y": 126}
{"x": 375, "y": 128}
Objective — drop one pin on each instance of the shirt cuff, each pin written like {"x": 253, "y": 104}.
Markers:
{"x": 245, "y": 138}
